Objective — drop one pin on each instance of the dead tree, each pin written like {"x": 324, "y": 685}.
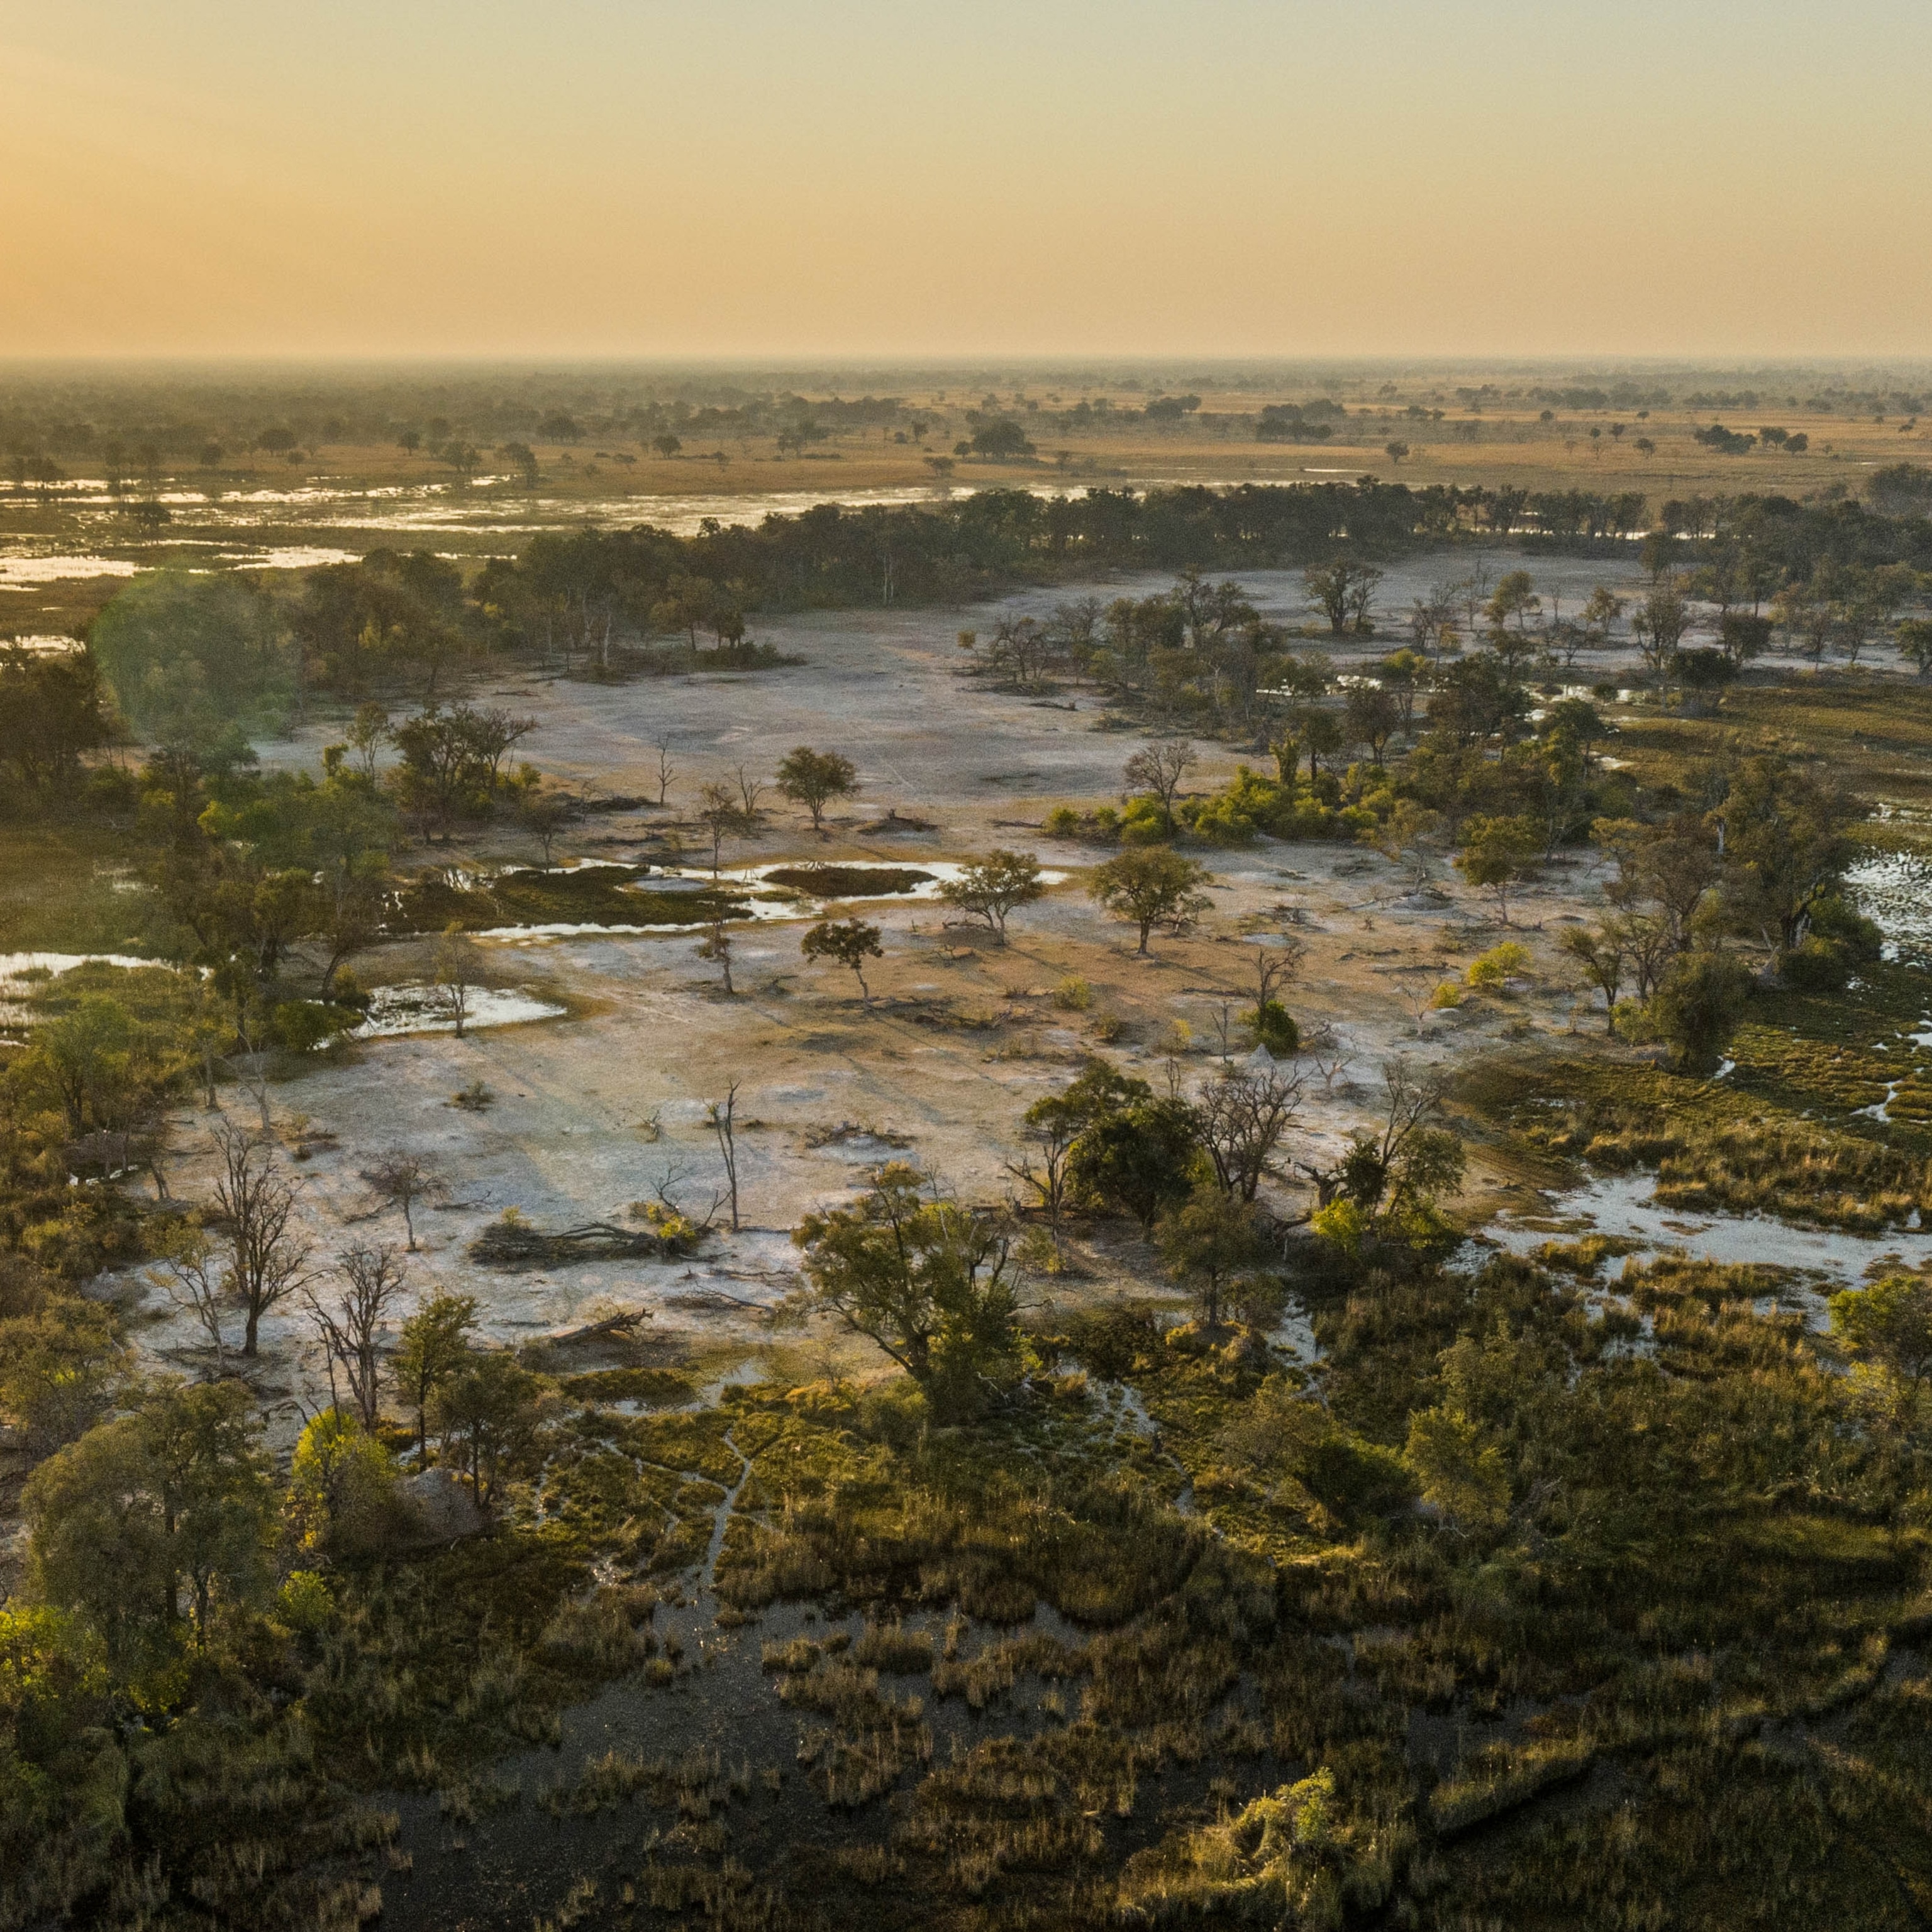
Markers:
{"x": 399, "y": 1179}
{"x": 1242, "y": 1122}
{"x": 351, "y": 1329}
{"x": 721, "y": 1116}
{"x": 267, "y": 1261}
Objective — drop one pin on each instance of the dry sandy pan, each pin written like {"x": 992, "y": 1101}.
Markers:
{"x": 964, "y": 1035}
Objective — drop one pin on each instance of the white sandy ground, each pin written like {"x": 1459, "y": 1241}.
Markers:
{"x": 648, "y": 1039}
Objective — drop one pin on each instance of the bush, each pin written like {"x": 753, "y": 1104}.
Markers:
{"x": 1276, "y": 1030}
{"x": 1698, "y": 1007}
{"x": 1073, "y": 995}
{"x": 1501, "y": 963}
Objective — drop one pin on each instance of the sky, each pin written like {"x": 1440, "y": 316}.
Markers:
{"x": 737, "y": 178}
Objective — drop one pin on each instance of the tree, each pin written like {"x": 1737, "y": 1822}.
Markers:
{"x": 1786, "y": 843}
{"x": 85, "y": 1058}
{"x": 486, "y": 1412}
{"x": 851, "y": 942}
{"x": 1156, "y": 770}
{"x": 1240, "y": 1122}
{"x": 255, "y": 1203}
{"x": 60, "y": 1368}
{"x": 1514, "y": 596}
{"x": 434, "y": 1344}
{"x": 1370, "y": 716}
{"x": 1136, "y": 1154}
{"x": 1914, "y": 639}
{"x": 1397, "y": 1175}
{"x": 342, "y": 1493}
{"x": 1052, "y": 1125}
{"x": 1275, "y": 971}
{"x": 1698, "y": 1006}
{"x": 1499, "y": 852}
{"x": 721, "y": 812}
{"x": 716, "y": 946}
{"x": 1460, "y": 1472}
{"x": 1890, "y": 1325}
{"x": 721, "y": 1117}
{"x": 160, "y": 1513}
{"x": 1344, "y": 590}
{"x": 544, "y": 814}
{"x": 1148, "y": 886}
{"x": 990, "y": 888}
{"x": 192, "y": 1278}
{"x": 927, "y": 1282}
{"x": 813, "y": 779}
{"x": 399, "y": 1178}
{"x": 1208, "y": 1240}
{"x": 458, "y": 968}
{"x": 351, "y": 1328}
{"x": 1658, "y": 626}
{"x": 1599, "y": 952}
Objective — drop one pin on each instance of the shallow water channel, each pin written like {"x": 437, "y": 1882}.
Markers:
{"x": 1622, "y": 1205}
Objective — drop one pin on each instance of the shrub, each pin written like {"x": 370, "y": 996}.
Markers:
{"x": 1500, "y": 964}
{"x": 1275, "y": 1029}
{"x": 1073, "y": 995}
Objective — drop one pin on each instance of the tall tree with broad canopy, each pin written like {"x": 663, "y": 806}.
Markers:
{"x": 925, "y": 1281}
{"x": 813, "y": 779}
{"x": 1149, "y": 885}
{"x": 990, "y": 888}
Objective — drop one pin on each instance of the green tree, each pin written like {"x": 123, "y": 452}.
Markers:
{"x": 1889, "y": 1324}
{"x": 343, "y": 1496}
{"x": 813, "y": 779}
{"x": 1137, "y": 1155}
{"x": 1499, "y": 852}
{"x": 1698, "y": 1006}
{"x": 928, "y": 1282}
{"x": 59, "y": 1368}
{"x": 1207, "y": 1241}
{"x": 158, "y": 1515}
{"x": 1460, "y": 1470}
{"x": 434, "y": 1344}
{"x": 990, "y": 888}
{"x": 486, "y": 1412}
{"x": 850, "y": 942}
{"x": 1787, "y": 845}
{"x": 1149, "y": 885}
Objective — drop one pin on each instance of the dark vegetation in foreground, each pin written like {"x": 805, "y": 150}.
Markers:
{"x": 1526, "y": 1605}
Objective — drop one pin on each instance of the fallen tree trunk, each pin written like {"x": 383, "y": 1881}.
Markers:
{"x": 614, "y": 1324}
{"x": 516, "y": 1244}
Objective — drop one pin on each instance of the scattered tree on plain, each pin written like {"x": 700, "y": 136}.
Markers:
{"x": 850, "y": 942}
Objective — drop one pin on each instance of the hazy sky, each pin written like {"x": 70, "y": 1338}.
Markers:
{"x": 739, "y": 177}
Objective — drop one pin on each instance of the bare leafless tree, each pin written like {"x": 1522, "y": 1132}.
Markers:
{"x": 1242, "y": 1122}
{"x": 399, "y": 1178}
{"x": 720, "y": 1117}
{"x": 1321, "y": 1047}
{"x": 255, "y": 1202}
{"x": 1158, "y": 768}
{"x": 667, "y": 771}
{"x": 351, "y": 1325}
{"x": 750, "y": 790}
{"x": 1276, "y": 968}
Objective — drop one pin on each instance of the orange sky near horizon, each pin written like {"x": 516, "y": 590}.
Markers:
{"x": 627, "y": 178}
